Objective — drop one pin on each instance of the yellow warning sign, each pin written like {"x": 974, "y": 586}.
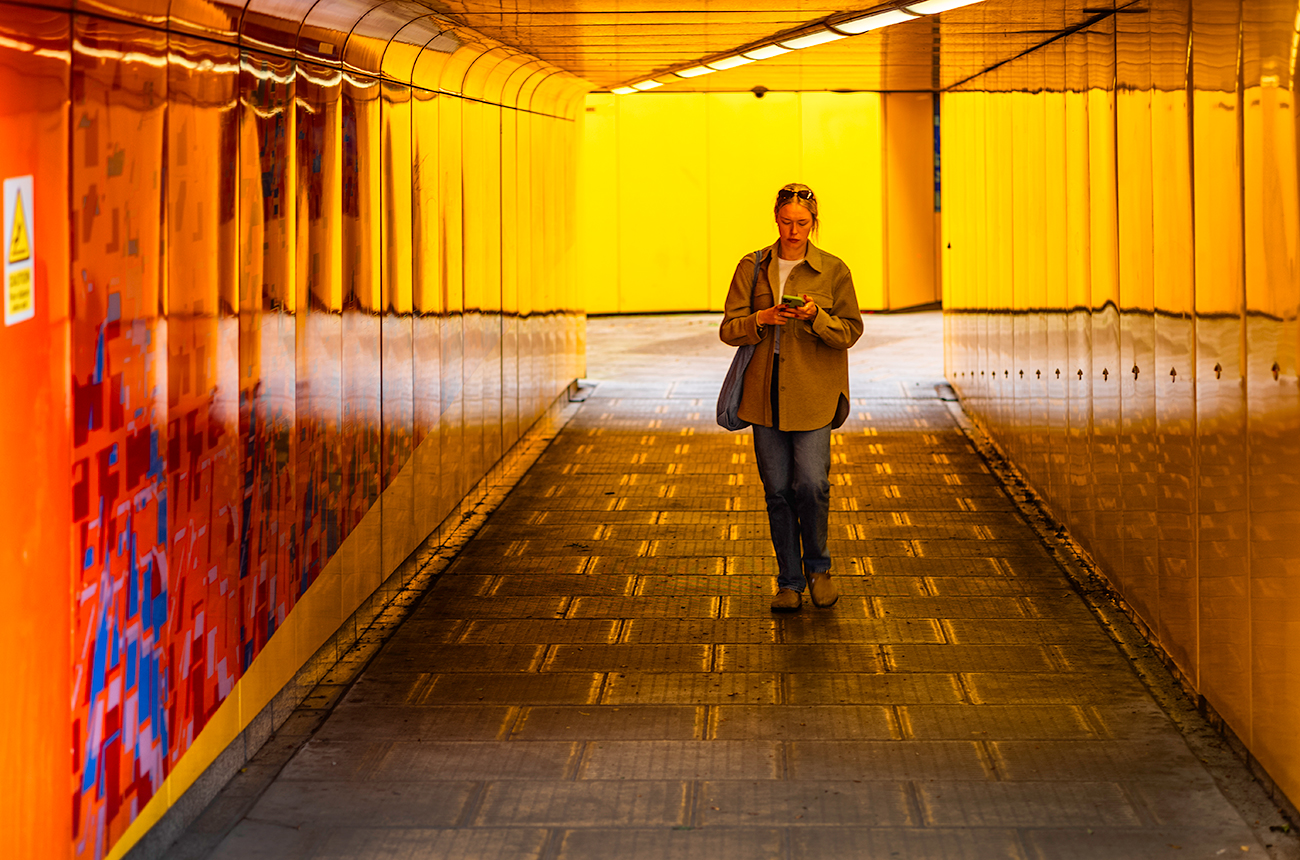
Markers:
{"x": 20, "y": 248}
{"x": 18, "y": 294}
{"x": 20, "y": 281}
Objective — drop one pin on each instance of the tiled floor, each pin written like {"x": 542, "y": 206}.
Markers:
{"x": 598, "y": 674}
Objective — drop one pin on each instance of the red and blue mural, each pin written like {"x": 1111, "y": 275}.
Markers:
{"x": 252, "y": 367}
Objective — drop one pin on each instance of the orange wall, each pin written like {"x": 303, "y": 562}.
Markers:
{"x": 35, "y": 500}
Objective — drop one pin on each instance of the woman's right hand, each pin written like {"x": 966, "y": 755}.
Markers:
{"x": 771, "y": 316}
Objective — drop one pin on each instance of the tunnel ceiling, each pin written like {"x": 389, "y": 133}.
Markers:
{"x": 614, "y": 42}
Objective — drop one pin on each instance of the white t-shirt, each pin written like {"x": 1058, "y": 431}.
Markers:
{"x": 784, "y": 267}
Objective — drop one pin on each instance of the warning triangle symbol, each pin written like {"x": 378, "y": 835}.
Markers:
{"x": 19, "y": 248}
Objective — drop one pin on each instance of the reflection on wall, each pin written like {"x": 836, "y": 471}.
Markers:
{"x": 676, "y": 187}
{"x": 1122, "y": 297}
{"x": 310, "y": 309}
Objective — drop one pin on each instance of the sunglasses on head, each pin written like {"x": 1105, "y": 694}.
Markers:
{"x": 802, "y": 194}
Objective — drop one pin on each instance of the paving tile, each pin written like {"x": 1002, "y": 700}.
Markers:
{"x": 492, "y": 607}
{"x": 751, "y": 565}
{"x": 978, "y": 658}
{"x": 465, "y": 584}
{"x": 1183, "y": 843}
{"x": 689, "y": 760}
{"x": 576, "y": 584}
{"x": 473, "y": 688}
{"x": 360, "y": 804}
{"x": 513, "y": 688}
{"x": 860, "y": 689}
{"x": 693, "y": 688}
{"x": 723, "y": 585}
{"x": 656, "y": 566}
{"x": 1100, "y": 761}
{"x": 950, "y": 607}
{"x": 780, "y": 722}
{"x": 540, "y": 631}
{"x": 817, "y": 625}
{"x": 685, "y": 844}
{"x": 804, "y": 804}
{"x": 590, "y": 803}
{"x": 1133, "y": 720}
{"x": 980, "y": 566}
{"x": 634, "y": 658}
{"x": 982, "y": 722}
{"x": 254, "y": 840}
{"x": 898, "y": 586}
{"x": 833, "y": 657}
{"x": 1063, "y": 606}
{"x": 715, "y": 631}
{"x": 359, "y": 722}
{"x": 758, "y": 605}
{"x": 907, "y": 843}
{"x": 426, "y": 844}
{"x": 645, "y": 606}
{"x": 1017, "y": 687}
{"x": 892, "y": 760}
{"x": 472, "y": 564}
{"x": 1029, "y": 548}
{"x": 544, "y": 516}
{"x": 610, "y": 722}
{"x": 504, "y": 551}
{"x": 406, "y": 761}
{"x": 1026, "y": 804}
{"x": 435, "y": 631}
{"x": 1197, "y": 804}
{"x": 1085, "y": 657}
{"x": 995, "y": 586}
{"x": 409, "y": 655}
{"x": 1012, "y": 631}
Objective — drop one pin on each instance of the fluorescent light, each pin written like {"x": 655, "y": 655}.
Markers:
{"x": 623, "y": 91}
{"x": 934, "y": 7}
{"x": 647, "y": 85}
{"x": 766, "y": 52}
{"x": 883, "y": 19}
{"x": 818, "y": 37}
{"x": 695, "y": 72}
{"x": 729, "y": 62}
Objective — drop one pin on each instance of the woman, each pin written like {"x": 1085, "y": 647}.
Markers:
{"x": 796, "y": 388}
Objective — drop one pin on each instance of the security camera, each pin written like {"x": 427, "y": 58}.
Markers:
{"x": 759, "y": 92}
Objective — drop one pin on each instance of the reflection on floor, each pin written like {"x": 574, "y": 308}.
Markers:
{"x": 598, "y": 674}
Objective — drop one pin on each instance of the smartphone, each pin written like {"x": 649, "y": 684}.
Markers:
{"x": 792, "y": 301}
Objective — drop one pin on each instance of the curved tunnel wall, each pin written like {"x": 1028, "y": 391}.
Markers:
{"x": 301, "y": 277}
{"x": 1121, "y": 295}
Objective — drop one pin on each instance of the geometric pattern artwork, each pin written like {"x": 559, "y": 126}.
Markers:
{"x": 248, "y": 373}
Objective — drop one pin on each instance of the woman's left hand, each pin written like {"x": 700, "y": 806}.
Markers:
{"x": 807, "y": 312}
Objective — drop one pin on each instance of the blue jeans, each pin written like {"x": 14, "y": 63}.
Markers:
{"x": 795, "y": 466}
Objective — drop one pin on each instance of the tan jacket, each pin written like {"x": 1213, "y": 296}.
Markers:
{"x": 814, "y": 361}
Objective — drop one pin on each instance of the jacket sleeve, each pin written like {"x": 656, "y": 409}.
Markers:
{"x": 841, "y": 326}
{"x": 739, "y": 322}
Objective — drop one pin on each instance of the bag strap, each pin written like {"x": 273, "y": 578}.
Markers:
{"x": 760, "y": 257}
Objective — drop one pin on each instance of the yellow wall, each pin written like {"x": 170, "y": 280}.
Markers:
{"x": 674, "y": 188}
{"x": 1122, "y": 291}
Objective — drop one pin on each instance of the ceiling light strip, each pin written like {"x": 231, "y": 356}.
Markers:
{"x": 834, "y": 28}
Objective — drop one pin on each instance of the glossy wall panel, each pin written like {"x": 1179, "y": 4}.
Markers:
{"x": 37, "y": 499}
{"x": 704, "y": 153}
{"x": 1148, "y": 250}
{"x": 265, "y": 360}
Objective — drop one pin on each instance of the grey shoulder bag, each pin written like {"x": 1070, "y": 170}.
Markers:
{"x": 729, "y": 396}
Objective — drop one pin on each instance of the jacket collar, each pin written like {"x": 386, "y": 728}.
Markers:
{"x": 812, "y": 256}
